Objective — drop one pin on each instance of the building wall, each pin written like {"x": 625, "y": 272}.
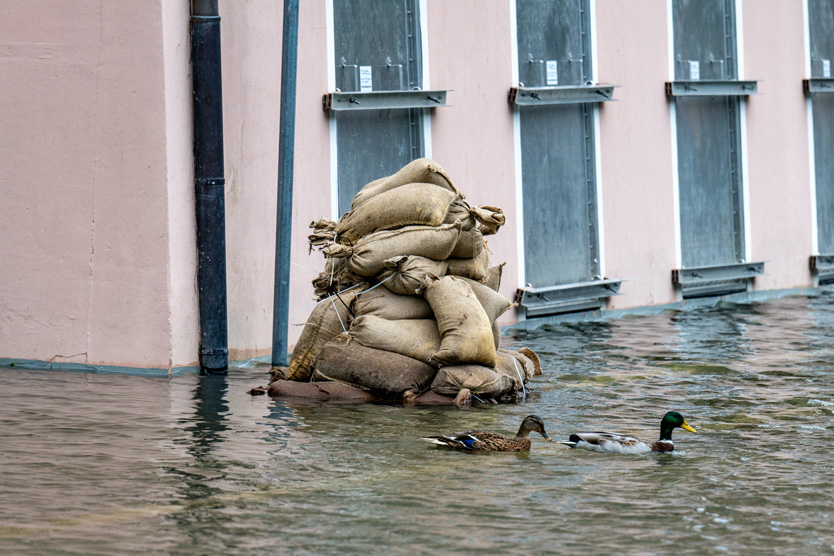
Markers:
{"x": 99, "y": 250}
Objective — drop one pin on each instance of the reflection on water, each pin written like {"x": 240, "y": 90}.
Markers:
{"x": 99, "y": 464}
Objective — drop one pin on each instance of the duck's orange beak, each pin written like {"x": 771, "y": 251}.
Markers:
{"x": 688, "y": 428}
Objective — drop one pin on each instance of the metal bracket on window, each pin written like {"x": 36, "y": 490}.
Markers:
{"x": 823, "y": 266}
{"x": 383, "y": 100}
{"x": 534, "y": 96}
{"x": 818, "y": 85}
{"x": 714, "y": 280}
{"x": 718, "y": 88}
{"x": 568, "y": 298}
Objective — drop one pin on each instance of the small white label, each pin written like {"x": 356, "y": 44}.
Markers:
{"x": 366, "y": 79}
{"x": 826, "y": 68}
{"x": 694, "y": 70}
{"x": 552, "y": 72}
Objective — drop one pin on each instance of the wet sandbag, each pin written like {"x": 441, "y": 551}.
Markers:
{"x": 417, "y": 339}
{"x": 382, "y": 373}
{"x": 328, "y": 319}
{"x": 423, "y": 204}
{"x": 475, "y": 268}
{"x": 465, "y": 329}
{"x": 422, "y": 170}
{"x": 403, "y": 275}
{"x": 533, "y": 358}
{"x": 385, "y": 304}
{"x": 493, "y": 277}
{"x": 514, "y": 365}
{"x": 493, "y": 302}
{"x": 368, "y": 256}
{"x": 469, "y": 245}
{"x": 481, "y": 381}
{"x": 321, "y": 391}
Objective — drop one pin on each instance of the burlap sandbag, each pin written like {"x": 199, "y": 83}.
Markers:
{"x": 422, "y": 170}
{"x": 469, "y": 245}
{"x": 336, "y": 277}
{"x": 329, "y": 318}
{"x": 367, "y": 257}
{"x": 476, "y": 268}
{"x": 481, "y": 381}
{"x": 383, "y": 303}
{"x": 493, "y": 277}
{"x": 533, "y": 358}
{"x": 489, "y": 218}
{"x": 465, "y": 328}
{"x": 417, "y": 339}
{"x": 496, "y": 334}
{"x": 493, "y": 302}
{"x": 515, "y": 365}
{"x": 403, "y": 275}
{"x": 383, "y": 373}
{"x": 423, "y": 204}
{"x": 324, "y": 232}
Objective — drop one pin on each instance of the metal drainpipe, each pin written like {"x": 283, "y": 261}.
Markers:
{"x": 286, "y": 148}
{"x": 209, "y": 183}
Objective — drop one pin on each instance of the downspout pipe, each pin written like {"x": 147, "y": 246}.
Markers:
{"x": 209, "y": 185}
{"x": 286, "y": 150}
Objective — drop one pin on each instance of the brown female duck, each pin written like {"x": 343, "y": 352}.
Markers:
{"x": 483, "y": 441}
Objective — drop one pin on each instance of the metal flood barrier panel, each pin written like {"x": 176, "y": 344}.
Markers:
{"x": 557, "y": 145}
{"x": 821, "y": 31}
{"x": 377, "y": 48}
{"x": 706, "y": 95}
{"x": 709, "y": 170}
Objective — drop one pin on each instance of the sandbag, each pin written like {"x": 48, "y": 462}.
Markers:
{"x": 489, "y": 218}
{"x": 475, "y": 268}
{"x": 496, "y": 334}
{"x": 322, "y": 391}
{"x": 383, "y": 303}
{"x": 383, "y": 373}
{"x": 493, "y": 302}
{"x": 337, "y": 277}
{"x": 324, "y": 232}
{"x": 469, "y": 245}
{"x": 514, "y": 365}
{"x": 481, "y": 381}
{"x": 403, "y": 275}
{"x": 328, "y": 319}
{"x": 368, "y": 256}
{"x": 417, "y": 339}
{"x": 465, "y": 329}
{"x": 493, "y": 277}
{"x": 422, "y": 170}
{"x": 412, "y": 204}
{"x": 534, "y": 359}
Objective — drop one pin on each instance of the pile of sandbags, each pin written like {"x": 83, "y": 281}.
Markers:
{"x": 407, "y": 299}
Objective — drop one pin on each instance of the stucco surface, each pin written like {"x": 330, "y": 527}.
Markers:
{"x": 777, "y": 143}
{"x": 635, "y": 152}
{"x": 85, "y": 227}
{"x": 470, "y": 52}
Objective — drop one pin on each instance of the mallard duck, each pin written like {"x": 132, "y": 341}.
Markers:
{"x": 482, "y": 441}
{"x": 622, "y": 444}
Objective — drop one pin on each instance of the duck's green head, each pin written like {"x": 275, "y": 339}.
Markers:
{"x": 532, "y": 423}
{"x": 673, "y": 420}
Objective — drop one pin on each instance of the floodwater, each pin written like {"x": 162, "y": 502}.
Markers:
{"x": 105, "y": 464}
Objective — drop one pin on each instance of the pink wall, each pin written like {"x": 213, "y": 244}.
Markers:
{"x": 777, "y": 143}
{"x": 99, "y": 246}
{"x": 635, "y": 151}
{"x": 470, "y": 52}
{"x": 86, "y": 244}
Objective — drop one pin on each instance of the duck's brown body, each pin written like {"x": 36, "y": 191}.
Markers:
{"x": 484, "y": 441}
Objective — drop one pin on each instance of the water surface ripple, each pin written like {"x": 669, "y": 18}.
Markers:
{"x": 104, "y": 464}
